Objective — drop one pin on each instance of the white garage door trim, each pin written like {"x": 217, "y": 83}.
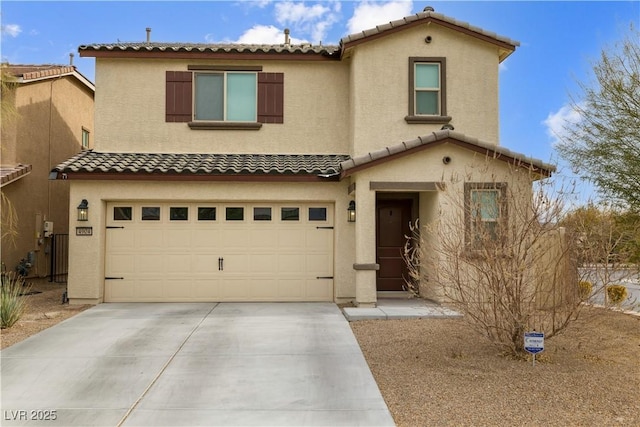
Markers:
{"x": 177, "y": 251}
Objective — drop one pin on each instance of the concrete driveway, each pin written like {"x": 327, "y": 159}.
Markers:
{"x": 193, "y": 364}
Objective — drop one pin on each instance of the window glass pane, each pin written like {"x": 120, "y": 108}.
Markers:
{"x": 241, "y": 97}
{"x": 262, "y": 214}
{"x": 151, "y": 214}
{"x": 178, "y": 214}
{"x": 484, "y": 204}
{"x": 235, "y": 214}
{"x": 206, "y": 214}
{"x": 290, "y": 214}
{"x": 317, "y": 214}
{"x": 427, "y": 76}
{"x": 209, "y": 92}
{"x": 122, "y": 213}
{"x": 427, "y": 103}
{"x": 85, "y": 138}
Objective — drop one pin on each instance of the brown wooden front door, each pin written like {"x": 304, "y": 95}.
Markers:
{"x": 392, "y": 225}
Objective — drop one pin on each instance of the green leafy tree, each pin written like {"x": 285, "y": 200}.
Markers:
{"x": 603, "y": 146}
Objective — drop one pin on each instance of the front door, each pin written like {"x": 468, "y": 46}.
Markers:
{"x": 392, "y": 225}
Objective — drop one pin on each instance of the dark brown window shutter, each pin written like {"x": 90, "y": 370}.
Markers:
{"x": 271, "y": 97}
{"x": 179, "y": 101}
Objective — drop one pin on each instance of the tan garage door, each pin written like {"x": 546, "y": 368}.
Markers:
{"x": 219, "y": 252}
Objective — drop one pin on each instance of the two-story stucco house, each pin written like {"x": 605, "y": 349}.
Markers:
{"x": 51, "y": 119}
{"x": 279, "y": 172}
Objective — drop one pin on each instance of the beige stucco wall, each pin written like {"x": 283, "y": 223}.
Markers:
{"x": 379, "y": 82}
{"x": 86, "y": 273}
{"x": 48, "y": 130}
{"x": 130, "y": 111}
{"x": 425, "y": 166}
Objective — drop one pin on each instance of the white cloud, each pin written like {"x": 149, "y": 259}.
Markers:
{"x": 313, "y": 20}
{"x": 265, "y": 34}
{"x": 369, "y": 14}
{"x": 12, "y": 30}
{"x": 557, "y": 122}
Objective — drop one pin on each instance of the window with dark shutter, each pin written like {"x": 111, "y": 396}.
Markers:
{"x": 179, "y": 96}
{"x": 271, "y": 97}
{"x": 180, "y": 105}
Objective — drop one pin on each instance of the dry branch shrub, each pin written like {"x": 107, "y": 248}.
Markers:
{"x": 616, "y": 294}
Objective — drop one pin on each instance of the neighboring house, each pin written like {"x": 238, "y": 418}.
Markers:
{"x": 50, "y": 119}
{"x": 231, "y": 172}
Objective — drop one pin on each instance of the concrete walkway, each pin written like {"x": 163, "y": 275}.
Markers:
{"x": 399, "y": 308}
{"x": 193, "y": 364}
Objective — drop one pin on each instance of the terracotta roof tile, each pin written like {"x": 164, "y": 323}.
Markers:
{"x": 442, "y": 136}
{"x": 211, "y": 47}
{"x": 10, "y": 173}
{"x": 216, "y": 164}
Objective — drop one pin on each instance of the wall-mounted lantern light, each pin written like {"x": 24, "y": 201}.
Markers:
{"x": 83, "y": 210}
{"x": 351, "y": 211}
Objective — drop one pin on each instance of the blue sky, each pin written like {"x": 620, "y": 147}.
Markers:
{"x": 559, "y": 40}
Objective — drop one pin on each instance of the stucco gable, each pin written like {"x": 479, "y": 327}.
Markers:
{"x": 35, "y": 73}
{"x": 428, "y": 16}
{"x": 413, "y": 146}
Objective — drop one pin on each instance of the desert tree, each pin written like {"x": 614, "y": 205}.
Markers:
{"x": 497, "y": 252}
{"x": 603, "y": 145}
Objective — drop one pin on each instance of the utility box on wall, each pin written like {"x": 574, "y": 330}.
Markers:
{"x": 48, "y": 228}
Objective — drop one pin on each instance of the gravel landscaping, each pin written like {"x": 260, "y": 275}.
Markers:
{"x": 437, "y": 372}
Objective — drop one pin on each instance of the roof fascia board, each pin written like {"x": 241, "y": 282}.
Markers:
{"x": 120, "y": 176}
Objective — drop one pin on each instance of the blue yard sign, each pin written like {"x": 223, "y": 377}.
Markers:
{"x": 534, "y": 343}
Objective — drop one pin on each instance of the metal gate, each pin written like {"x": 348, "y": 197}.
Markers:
{"x": 59, "y": 258}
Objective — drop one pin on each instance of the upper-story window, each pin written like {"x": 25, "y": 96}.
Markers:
{"x": 427, "y": 91}
{"x": 226, "y": 96}
{"x": 85, "y": 139}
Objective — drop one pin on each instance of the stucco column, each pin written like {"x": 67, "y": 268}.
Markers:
{"x": 365, "y": 264}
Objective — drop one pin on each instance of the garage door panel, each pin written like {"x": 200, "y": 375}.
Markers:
{"x": 149, "y": 264}
{"x": 177, "y": 263}
{"x": 263, "y": 238}
{"x": 319, "y": 289}
{"x": 206, "y": 289}
{"x": 234, "y": 238}
{"x": 292, "y": 263}
{"x": 178, "y": 238}
{"x": 205, "y": 263}
{"x": 215, "y": 259}
{"x": 318, "y": 263}
{"x": 234, "y": 289}
{"x": 263, "y": 263}
{"x": 319, "y": 240}
{"x": 205, "y": 238}
{"x": 149, "y": 239}
{"x": 118, "y": 239}
{"x": 290, "y": 289}
{"x": 119, "y": 264}
{"x": 178, "y": 289}
{"x": 150, "y": 289}
{"x": 291, "y": 238}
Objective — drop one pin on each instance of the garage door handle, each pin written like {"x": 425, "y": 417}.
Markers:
{"x": 114, "y": 278}
{"x": 220, "y": 264}
{"x": 324, "y": 277}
